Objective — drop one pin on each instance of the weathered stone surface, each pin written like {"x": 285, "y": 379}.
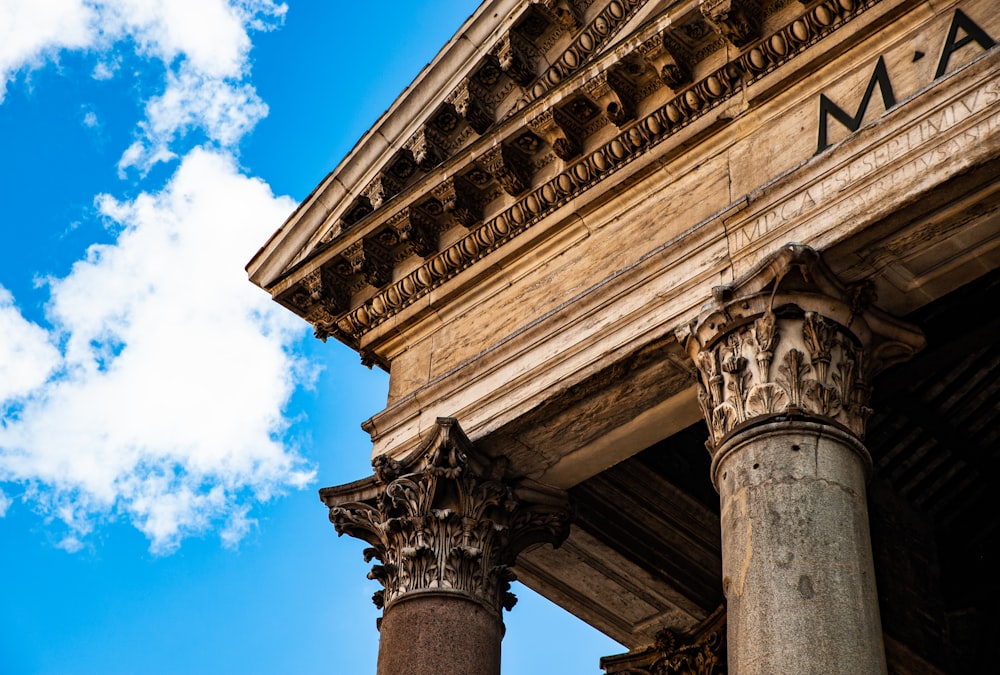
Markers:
{"x": 569, "y": 183}
{"x": 796, "y": 554}
{"x": 786, "y": 355}
{"x": 439, "y": 635}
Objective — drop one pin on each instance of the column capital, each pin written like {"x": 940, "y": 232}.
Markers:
{"x": 445, "y": 520}
{"x": 788, "y": 339}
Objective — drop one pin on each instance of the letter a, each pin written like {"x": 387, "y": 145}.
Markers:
{"x": 973, "y": 33}
{"x": 828, "y": 107}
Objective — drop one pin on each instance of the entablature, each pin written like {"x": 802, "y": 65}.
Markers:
{"x": 508, "y": 155}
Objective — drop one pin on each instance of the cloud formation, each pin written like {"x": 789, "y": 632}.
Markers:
{"x": 167, "y": 404}
{"x": 203, "y": 44}
{"x": 156, "y": 394}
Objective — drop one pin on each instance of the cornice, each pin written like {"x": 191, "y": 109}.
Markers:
{"x": 370, "y": 307}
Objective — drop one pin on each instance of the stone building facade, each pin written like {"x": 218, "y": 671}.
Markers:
{"x": 689, "y": 313}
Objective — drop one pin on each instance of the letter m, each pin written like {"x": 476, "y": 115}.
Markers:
{"x": 828, "y": 108}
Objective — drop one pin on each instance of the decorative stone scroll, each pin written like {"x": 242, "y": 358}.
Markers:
{"x": 789, "y": 340}
{"x": 735, "y": 20}
{"x": 444, "y": 520}
{"x": 509, "y": 166}
{"x": 471, "y": 102}
{"x": 558, "y": 131}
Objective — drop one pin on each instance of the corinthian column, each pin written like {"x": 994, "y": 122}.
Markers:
{"x": 786, "y": 355}
{"x": 445, "y": 527}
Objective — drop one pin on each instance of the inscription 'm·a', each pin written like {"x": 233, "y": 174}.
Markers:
{"x": 971, "y": 32}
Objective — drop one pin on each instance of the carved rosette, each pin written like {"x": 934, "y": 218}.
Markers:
{"x": 789, "y": 340}
{"x": 444, "y": 520}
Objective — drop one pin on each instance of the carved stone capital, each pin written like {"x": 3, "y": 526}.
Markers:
{"x": 444, "y": 520}
{"x": 788, "y": 339}
{"x": 701, "y": 652}
{"x": 734, "y": 20}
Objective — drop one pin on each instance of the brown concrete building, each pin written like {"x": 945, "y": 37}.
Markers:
{"x": 595, "y": 238}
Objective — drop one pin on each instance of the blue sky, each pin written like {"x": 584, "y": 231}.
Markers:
{"x": 165, "y": 425}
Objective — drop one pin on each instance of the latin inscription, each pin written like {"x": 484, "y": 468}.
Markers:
{"x": 889, "y": 151}
{"x": 842, "y": 193}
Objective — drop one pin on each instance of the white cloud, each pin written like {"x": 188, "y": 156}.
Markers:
{"x": 173, "y": 372}
{"x": 224, "y": 110}
{"x": 32, "y": 31}
{"x": 105, "y": 70}
{"x": 27, "y": 357}
{"x": 204, "y": 45}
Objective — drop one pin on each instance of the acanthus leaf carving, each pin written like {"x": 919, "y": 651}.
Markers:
{"x": 320, "y": 299}
{"x": 471, "y": 103}
{"x": 517, "y": 57}
{"x": 616, "y": 95}
{"x": 553, "y": 125}
{"x": 702, "y": 652}
{"x": 427, "y": 147}
{"x": 417, "y": 230}
{"x": 444, "y": 518}
{"x": 787, "y": 340}
{"x": 667, "y": 62}
{"x": 566, "y": 13}
{"x": 382, "y": 188}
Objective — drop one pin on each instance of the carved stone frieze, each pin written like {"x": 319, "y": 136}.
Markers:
{"x": 470, "y": 101}
{"x": 444, "y": 519}
{"x": 485, "y": 236}
{"x": 517, "y": 57}
{"x": 566, "y": 13}
{"x": 427, "y": 148}
{"x": 735, "y": 20}
{"x": 561, "y": 135}
{"x": 789, "y": 340}
{"x": 382, "y": 188}
{"x": 321, "y": 298}
{"x": 361, "y": 207}
{"x": 587, "y": 43}
{"x": 616, "y": 95}
{"x": 669, "y": 65}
